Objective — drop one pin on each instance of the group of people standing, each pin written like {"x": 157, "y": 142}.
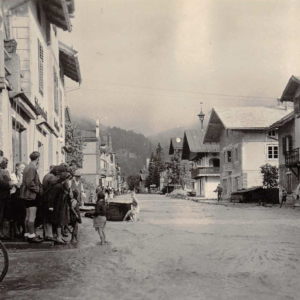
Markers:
{"x": 27, "y": 203}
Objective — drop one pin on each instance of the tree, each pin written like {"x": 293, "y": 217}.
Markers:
{"x": 270, "y": 176}
{"x": 174, "y": 169}
{"x": 177, "y": 170}
{"x": 159, "y": 165}
{"x": 133, "y": 181}
{"x": 149, "y": 179}
{"x": 74, "y": 146}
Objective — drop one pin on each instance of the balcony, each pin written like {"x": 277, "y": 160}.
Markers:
{"x": 292, "y": 158}
{"x": 206, "y": 171}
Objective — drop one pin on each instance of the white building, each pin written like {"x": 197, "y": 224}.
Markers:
{"x": 206, "y": 162}
{"x": 244, "y": 146}
{"x": 32, "y": 101}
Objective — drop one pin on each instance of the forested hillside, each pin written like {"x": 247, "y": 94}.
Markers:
{"x": 132, "y": 149}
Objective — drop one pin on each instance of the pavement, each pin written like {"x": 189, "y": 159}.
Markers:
{"x": 178, "y": 250}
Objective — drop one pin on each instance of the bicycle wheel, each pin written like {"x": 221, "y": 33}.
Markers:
{"x": 4, "y": 262}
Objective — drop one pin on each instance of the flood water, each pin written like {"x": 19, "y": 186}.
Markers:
{"x": 178, "y": 250}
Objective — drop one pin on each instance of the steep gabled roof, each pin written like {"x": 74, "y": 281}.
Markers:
{"x": 193, "y": 145}
{"x": 175, "y": 144}
{"x": 241, "y": 118}
{"x": 290, "y": 89}
{"x": 281, "y": 122}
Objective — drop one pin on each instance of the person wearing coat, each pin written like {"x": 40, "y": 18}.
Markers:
{"x": 17, "y": 204}
{"x": 5, "y": 186}
{"x": 31, "y": 189}
{"x": 49, "y": 181}
{"x": 59, "y": 200}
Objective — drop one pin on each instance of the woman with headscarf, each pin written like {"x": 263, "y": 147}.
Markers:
{"x": 59, "y": 199}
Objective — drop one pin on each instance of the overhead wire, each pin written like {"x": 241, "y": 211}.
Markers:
{"x": 244, "y": 98}
{"x": 178, "y": 91}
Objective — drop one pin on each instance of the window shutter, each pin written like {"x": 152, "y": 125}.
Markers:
{"x": 284, "y": 145}
{"x": 60, "y": 108}
{"x": 55, "y": 86}
{"x": 290, "y": 141}
{"x": 41, "y": 68}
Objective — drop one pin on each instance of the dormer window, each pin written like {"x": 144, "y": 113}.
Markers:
{"x": 272, "y": 133}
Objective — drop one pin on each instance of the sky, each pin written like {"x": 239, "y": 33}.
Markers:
{"x": 147, "y": 64}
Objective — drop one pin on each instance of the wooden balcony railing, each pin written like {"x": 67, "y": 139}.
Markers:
{"x": 292, "y": 158}
{"x": 205, "y": 171}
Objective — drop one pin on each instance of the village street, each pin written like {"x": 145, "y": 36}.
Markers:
{"x": 178, "y": 250}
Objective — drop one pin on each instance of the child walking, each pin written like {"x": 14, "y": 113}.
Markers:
{"x": 100, "y": 217}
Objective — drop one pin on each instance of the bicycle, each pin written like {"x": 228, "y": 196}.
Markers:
{"x": 4, "y": 261}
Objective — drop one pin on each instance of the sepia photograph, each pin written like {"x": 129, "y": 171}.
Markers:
{"x": 149, "y": 149}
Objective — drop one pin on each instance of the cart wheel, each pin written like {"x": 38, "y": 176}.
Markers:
{"x": 4, "y": 262}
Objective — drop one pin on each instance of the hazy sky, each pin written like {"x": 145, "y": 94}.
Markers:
{"x": 146, "y": 64}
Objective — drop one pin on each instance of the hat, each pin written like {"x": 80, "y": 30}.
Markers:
{"x": 77, "y": 173}
{"x": 63, "y": 167}
{"x": 64, "y": 176}
{"x": 54, "y": 170}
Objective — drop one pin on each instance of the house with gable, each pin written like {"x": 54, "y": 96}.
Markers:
{"x": 289, "y": 140}
{"x": 244, "y": 146}
{"x": 176, "y": 146}
{"x": 205, "y": 160}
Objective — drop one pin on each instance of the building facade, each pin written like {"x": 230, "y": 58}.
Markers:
{"x": 33, "y": 66}
{"x": 99, "y": 165}
{"x": 289, "y": 140}
{"x": 244, "y": 145}
{"x": 205, "y": 160}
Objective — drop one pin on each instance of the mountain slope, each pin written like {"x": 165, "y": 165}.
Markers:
{"x": 132, "y": 149}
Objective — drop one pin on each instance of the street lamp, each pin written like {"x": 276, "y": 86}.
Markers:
{"x": 201, "y": 116}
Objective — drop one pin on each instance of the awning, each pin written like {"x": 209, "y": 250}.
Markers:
{"x": 25, "y": 104}
{"x": 69, "y": 62}
{"x": 58, "y": 12}
{"x": 43, "y": 125}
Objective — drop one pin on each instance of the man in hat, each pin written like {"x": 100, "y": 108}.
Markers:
{"x": 76, "y": 184}
{"x": 30, "y": 191}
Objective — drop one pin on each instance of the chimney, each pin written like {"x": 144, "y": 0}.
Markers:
{"x": 201, "y": 117}
{"x": 97, "y": 128}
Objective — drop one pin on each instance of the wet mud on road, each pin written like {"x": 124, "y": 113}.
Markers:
{"x": 179, "y": 250}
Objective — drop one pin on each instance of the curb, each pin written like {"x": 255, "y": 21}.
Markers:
{"x": 27, "y": 246}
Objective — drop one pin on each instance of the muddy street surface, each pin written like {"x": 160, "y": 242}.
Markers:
{"x": 178, "y": 250}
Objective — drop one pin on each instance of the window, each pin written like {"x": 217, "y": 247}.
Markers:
{"x": 229, "y": 156}
{"x": 272, "y": 133}
{"x": 236, "y": 154}
{"x": 55, "y": 86}
{"x": 41, "y": 68}
{"x": 272, "y": 152}
{"x": 60, "y": 108}
{"x": 287, "y": 144}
